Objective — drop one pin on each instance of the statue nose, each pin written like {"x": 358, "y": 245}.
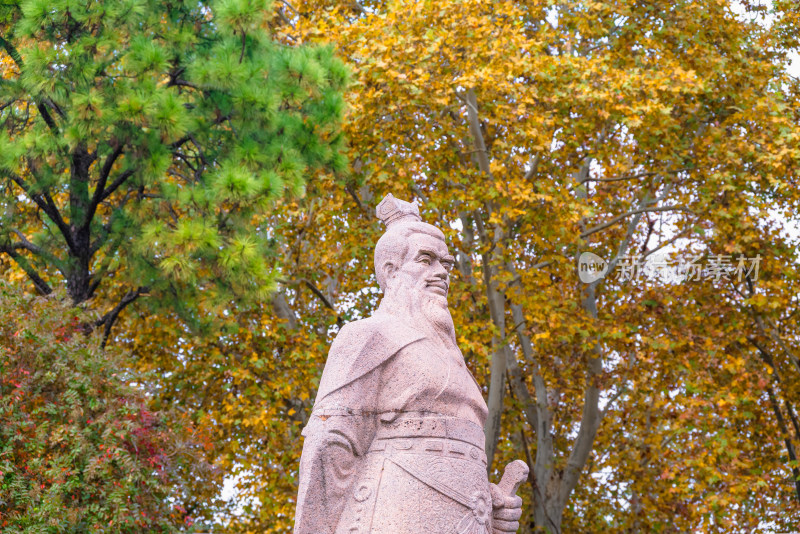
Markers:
{"x": 441, "y": 272}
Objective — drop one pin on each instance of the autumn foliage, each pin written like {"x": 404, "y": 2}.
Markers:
{"x": 79, "y": 448}
{"x": 530, "y": 132}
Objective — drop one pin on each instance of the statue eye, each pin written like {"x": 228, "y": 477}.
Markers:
{"x": 425, "y": 259}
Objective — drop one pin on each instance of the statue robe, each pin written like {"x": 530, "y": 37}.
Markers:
{"x": 381, "y": 374}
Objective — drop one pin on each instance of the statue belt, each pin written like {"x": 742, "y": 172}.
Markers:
{"x": 450, "y": 437}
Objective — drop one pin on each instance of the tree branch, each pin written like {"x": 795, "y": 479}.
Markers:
{"x": 591, "y": 415}
{"x": 99, "y": 275}
{"x": 538, "y": 412}
{"x": 477, "y": 135}
{"x": 98, "y": 194}
{"x": 501, "y": 352}
{"x": 534, "y": 167}
{"x": 283, "y": 310}
{"x": 182, "y": 83}
{"x": 39, "y": 251}
{"x": 41, "y": 286}
{"x": 666, "y": 243}
{"x": 98, "y": 243}
{"x": 632, "y": 176}
{"x": 12, "y": 51}
{"x": 603, "y": 226}
{"x": 116, "y": 183}
{"x": 111, "y": 317}
{"x": 357, "y": 200}
{"x": 314, "y": 289}
{"x": 787, "y": 440}
{"x": 45, "y": 202}
{"x": 542, "y": 409}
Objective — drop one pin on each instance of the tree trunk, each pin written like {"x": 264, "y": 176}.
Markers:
{"x": 494, "y": 297}
{"x": 79, "y": 277}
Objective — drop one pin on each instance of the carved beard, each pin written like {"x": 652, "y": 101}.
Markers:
{"x": 427, "y": 311}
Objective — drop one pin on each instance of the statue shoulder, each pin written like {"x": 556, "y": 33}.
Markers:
{"x": 360, "y": 347}
{"x": 383, "y": 326}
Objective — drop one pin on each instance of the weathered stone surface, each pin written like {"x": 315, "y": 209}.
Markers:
{"x": 395, "y": 443}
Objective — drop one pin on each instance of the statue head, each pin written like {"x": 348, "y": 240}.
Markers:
{"x": 412, "y": 265}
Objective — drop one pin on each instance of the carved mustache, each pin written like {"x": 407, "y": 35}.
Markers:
{"x": 438, "y": 282}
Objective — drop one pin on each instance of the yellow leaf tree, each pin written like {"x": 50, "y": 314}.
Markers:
{"x": 532, "y": 133}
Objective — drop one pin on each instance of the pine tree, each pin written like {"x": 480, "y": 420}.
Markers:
{"x": 144, "y": 143}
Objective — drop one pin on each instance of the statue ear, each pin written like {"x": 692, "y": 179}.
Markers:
{"x": 388, "y": 269}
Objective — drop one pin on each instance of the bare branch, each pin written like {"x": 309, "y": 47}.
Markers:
{"x": 4, "y": 106}
{"x": 24, "y": 243}
{"x": 787, "y": 440}
{"x": 111, "y": 317}
{"x": 632, "y": 176}
{"x": 357, "y": 200}
{"x": 197, "y": 145}
{"x": 283, "y": 310}
{"x": 182, "y": 83}
{"x": 27, "y": 245}
{"x": 41, "y": 286}
{"x": 540, "y": 422}
{"x": 180, "y": 142}
{"x": 106, "y": 169}
{"x": 98, "y": 196}
{"x": 45, "y": 202}
{"x": 612, "y": 222}
{"x": 100, "y": 273}
{"x": 358, "y": 7}
{"x": 116, "y": 184}
{"x": 290, "y": 6}
{"x": 285, "y": 19}
{"x": 540, "y": 417}
{"x": 770, "y": 331}
{"x": 477, "y": 135}
{"x": 590, "y": 422}
{"x": 534, "y": 167}
{"x": 50, "y": 102}
{"x": 314, "y": 289}
{"x": 666, "y": 243}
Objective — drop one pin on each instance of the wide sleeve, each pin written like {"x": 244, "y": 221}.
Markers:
{"x": 337, "y": 438}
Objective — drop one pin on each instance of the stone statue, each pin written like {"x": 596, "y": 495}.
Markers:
{"x": 395, "y": 442}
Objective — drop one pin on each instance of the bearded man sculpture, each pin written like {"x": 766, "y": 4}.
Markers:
{"x": 395, "y": 442}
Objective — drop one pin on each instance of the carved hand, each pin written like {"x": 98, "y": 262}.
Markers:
{"x": 506, "y": 512}
{"x": 507, "y": 507}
